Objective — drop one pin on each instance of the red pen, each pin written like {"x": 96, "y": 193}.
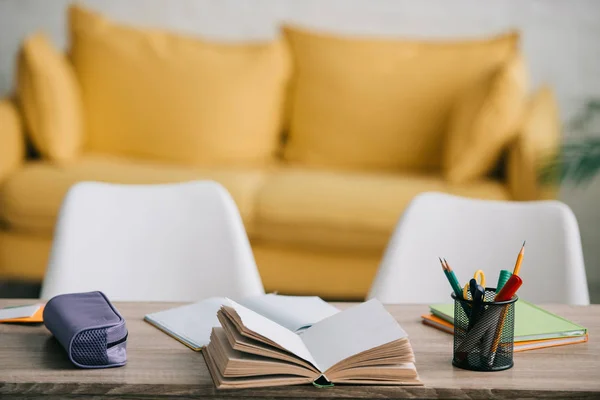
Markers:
{"x": 509, "y": 289}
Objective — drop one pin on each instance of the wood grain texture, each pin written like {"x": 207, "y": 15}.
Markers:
{"x": 33, "y": 364}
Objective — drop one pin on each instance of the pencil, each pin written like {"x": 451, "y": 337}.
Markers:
{"x": 452, "y": 278}
{"x": 500, "y": 325}
{"x": 519, "y": 260}
{"x": 498, "y": 335}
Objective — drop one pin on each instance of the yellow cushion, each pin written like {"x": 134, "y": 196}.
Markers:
{"x": 346, "y": 210}
{"x": 153, "y": 94}
{"x": 51, "y": 99}
{"x": 378, "y": 103}
{"x": 484, "y": 121}
{"x": 12, "y": 144}
{"x": 32, "y": 196}
{"x": 538, "y": 141}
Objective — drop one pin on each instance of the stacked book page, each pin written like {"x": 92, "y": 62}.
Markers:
{"x": 361, "y": 345}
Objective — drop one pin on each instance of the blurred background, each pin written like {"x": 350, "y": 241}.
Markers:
{"x": 559, "y": 41}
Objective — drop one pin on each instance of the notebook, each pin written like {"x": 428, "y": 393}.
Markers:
{"x": 23, "y": 314}
{"x": 534, "y": 326}
{"x": 362, "y": 345}
{"x": 192, "y": 324}
{"x": 520, "y": 345}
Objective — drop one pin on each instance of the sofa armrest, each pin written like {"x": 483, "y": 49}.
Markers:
{"x": 538, "y": 140}
{"x": 12, "y": 140}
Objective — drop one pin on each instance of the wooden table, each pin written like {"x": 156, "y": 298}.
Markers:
{"x": 32, "y": 364}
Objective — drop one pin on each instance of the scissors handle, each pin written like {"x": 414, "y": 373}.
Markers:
{"x": 466, "y": 291}
{"x": 479, "y": 277}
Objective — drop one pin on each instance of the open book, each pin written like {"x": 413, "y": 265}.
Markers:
{"x": 363, "y": 345}
{"x": 192, "y": 324}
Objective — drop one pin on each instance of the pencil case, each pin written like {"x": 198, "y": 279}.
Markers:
{"x": 89, "y": 328}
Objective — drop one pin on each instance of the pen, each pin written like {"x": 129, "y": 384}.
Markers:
{"x": 509, "y": 289}
{"x": 502, "y": 279}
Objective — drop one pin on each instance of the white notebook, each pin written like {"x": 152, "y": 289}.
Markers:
{"x": 192, "y": 324}
{"x": 9, "y": 313}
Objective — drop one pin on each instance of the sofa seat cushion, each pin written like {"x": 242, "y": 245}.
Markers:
{"x": 31, "y": 198}
{"x": 333, "y": 275}
{"x": 346, "y": 210}
{"x": 23, "y": 257}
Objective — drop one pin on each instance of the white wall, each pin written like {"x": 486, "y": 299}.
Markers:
{"x": 560, "y": 40}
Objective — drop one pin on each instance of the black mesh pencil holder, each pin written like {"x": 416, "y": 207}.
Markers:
{"x": 484, "y": 333}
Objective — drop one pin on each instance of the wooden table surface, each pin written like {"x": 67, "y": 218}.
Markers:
{"x": 33, "y": 364}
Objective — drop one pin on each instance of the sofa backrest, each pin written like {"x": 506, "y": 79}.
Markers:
{"x": 359, "y": 103}
{"x": 372, "y": 103}
{"x": 157, "y": 95}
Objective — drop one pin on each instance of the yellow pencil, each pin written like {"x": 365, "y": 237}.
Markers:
{"x": 519, "y": 260}
{"x": 498, "y": 333}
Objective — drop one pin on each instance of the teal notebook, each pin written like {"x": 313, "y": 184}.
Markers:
{"x": 531, "y": 322}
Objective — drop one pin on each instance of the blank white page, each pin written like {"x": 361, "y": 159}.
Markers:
{"x": 191, "y": 323}
{"x": 292, "y": 312}
{"x": 19, "y": 312}
{"x": 273, "y": 331}
{"x": 350, "y": 332}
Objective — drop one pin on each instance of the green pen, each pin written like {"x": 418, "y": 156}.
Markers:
{"x": 502, "y": 279}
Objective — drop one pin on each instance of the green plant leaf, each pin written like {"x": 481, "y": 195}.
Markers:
{"x": 578, "y": 161}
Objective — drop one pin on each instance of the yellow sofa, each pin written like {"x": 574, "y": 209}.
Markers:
{"x": 321, "y": 140}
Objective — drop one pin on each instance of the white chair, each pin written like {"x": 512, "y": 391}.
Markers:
{"x": 479, "y": 234}
{"x": 171, "y": 242}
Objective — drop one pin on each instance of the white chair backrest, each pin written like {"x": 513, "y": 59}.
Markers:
{"x": 479, "y": 234}
{"x": 171, "y": 242}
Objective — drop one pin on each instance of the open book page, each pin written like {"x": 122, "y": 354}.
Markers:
{"x": 252, "y": 346}
{"x": 272, "y": 331}
{"x": 350, "y": 332}
{"x": 292, "y": 312}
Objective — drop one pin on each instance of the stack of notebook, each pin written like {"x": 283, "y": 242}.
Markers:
{"x": 22, "y": 314}
{"x": 535, "y": 327}
{"x": 361, "y": 345}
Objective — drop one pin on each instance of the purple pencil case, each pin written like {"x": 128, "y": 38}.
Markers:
{"x": 89, "y": 328}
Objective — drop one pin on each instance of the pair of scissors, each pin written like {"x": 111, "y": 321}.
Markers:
{"x": 479, "y": 278}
